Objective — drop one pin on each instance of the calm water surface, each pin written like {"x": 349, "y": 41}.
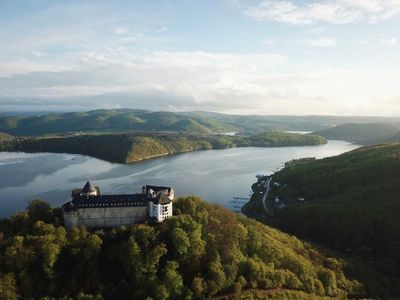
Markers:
{"x": 216, "y": 175}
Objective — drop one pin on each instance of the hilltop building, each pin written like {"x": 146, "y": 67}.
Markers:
{"x": 91, "y": 209}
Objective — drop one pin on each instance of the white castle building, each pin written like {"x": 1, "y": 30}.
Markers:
{"x": 91, "y": 209}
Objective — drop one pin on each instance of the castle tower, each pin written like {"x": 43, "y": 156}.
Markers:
{"x": 89, "y": 190}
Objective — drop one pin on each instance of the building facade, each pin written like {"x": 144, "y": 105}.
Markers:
{"x": 91, "y": 209}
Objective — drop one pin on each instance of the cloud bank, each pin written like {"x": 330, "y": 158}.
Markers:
{"x": 74, "y": 56}
{"x": 249, "y": 83}
{"x": 334, "y": 11}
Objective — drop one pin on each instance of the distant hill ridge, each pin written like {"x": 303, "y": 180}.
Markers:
{"x": 108, "y": 120}
{"x": 365, "y": 134}
{"x": 128, "y": 120}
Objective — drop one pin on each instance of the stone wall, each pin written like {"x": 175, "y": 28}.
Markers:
{"x": 105, "y": 216}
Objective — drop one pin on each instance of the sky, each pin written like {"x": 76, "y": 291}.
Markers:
{"x": 266, "y": 57}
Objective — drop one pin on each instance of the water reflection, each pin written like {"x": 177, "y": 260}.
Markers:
{"x": 216, "y": 175}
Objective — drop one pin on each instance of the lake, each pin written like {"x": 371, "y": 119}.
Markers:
{"x": 215, "y": 175}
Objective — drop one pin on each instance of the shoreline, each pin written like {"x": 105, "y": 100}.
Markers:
{"x": 155, "y": 156}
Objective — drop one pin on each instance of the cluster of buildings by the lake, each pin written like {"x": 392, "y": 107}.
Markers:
{"x": 267, "y": 184}
{"x": 90, "y": 208}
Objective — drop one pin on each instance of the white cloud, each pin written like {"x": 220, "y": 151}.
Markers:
{"x": 257, "y": 83}
{"x": 323, "y": 42}
{"x": 333, "y": 11}
{"x": 391, "y": 41}
{"x": 121, "y": 30}
{"x": 23, "y": 66}
{"x": 317, "y": 30}
{"x": 162, "y": 29}
{"x": 132, "y": 38}
{"x": 360, "y": 42}
{"x": 269, "y": 42}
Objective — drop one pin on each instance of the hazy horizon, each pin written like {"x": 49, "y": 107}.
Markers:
{"x": 254, "y": 57}
{"x": 45, "y": 112}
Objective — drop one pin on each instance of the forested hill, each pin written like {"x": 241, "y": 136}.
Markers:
{"x": 129, "y": 148}
{"x": 128, "y": 120}
{"x": 5, "y": 137}
{"x": 352, "y": 203}
{"x": 110, "y": 121}
{"x": 365, "y": 134}
{"x": 202, "y": 252}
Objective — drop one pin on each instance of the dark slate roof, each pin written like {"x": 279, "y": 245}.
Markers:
{"x": 157, "y": 188}
{"x": 88, "y": 188}
{"x": 124, "y": 200}
{"x": 107, "y": 201}
{"x": 161, "y": 198}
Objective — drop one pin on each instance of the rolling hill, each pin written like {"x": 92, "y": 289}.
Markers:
{"x": 5, "y": 137}
{"x": 202, "y": 252}
{"x": 352, "y": 203}
{"x": 365, "y": 134}
{"x": 133, "y": 120}
{"x": 129, "y": 148}
{"x": 109, "y": 121}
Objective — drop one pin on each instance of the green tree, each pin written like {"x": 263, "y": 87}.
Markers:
{"x": 216, "y": 276}
{"x": 40, "y": 210}
{"x": 172, "y": 279}
{"x": 8, "y": 287}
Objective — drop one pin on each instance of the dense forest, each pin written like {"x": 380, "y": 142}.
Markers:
{"x": 128, "y": 120}
{"x": 129, "y": 148}
{"x": 364, "y": 134}
{"x": 204, "y": 251}
{"x": 351, "y": 204}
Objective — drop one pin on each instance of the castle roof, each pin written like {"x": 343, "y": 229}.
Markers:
{"x": 157, "y": 188}
{"x": 88, "y": 188}
{"x": 161, "y": 198}
{"x": 124, "y": 200}
{"x": 81, "y": 200}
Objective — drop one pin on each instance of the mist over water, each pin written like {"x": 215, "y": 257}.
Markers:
{"x": 215, "y": 175}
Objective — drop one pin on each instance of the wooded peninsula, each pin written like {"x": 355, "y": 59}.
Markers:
{"x": 133, "y": 147}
